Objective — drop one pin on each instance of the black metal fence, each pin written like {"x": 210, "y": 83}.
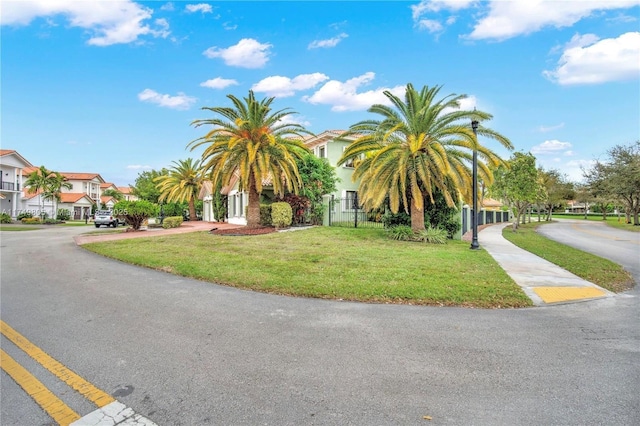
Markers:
{"x": 485, "y": 217}
{"x": 348, "y": 213}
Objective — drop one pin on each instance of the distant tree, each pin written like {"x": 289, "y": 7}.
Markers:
{"x": 182, "y": 183}
{"x": 49, "y": 184}
{"x": 517, "y": 183}
{"x": 145, "y": 187}
{"x": 135, "y": 212}
{"x": 558, "y": 190}
{"x": 255, "y": 143}
{"x": 420, "y": 145}
{"x": 117, "y": 195}
{"x": 618, "y": 176}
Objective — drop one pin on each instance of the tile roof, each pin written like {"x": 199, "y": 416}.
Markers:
{"x": 124, "y": 189}
{"x": 73, "y": 197}
{"x": 82, "y": 176}
{"x": 6, "y": 152}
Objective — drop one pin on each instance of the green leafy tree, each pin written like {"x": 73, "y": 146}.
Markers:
{"x": 420, "y": 146}
{"x": 145, "y": 187}
{"x": 618, "y": 176}
{"x": 182, "y": 183}
{"x": 251, "y": 141}
{"x": 135, "y": 212}
{"x": 517, "y": 183}
{"x": 318, "y": 178}
{"x": 558, "y": 190}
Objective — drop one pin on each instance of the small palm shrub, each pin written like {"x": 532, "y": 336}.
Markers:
{"x": 434, "y": 235}
{"x": 401, "y": 233}
{"x": 5, "y": 218}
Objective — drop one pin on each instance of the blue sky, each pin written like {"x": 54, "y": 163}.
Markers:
{"x": 112, "y": 86}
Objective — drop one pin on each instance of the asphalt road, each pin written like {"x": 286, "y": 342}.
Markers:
{"x": 185, "y": 352}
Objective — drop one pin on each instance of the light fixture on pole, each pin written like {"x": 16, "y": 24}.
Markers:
{"x": 474, "y": 216}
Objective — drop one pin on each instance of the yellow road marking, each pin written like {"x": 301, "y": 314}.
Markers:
{"x": 563, "y": 294}
{"x": 58, "y": 410}
{"x": 578, "y": 228}
{"x": 85, "y": 388}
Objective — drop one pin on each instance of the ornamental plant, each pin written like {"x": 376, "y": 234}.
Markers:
{"x": 135, "y": 213}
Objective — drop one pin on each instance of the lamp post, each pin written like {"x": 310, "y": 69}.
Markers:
{"x": 474, "y": 217}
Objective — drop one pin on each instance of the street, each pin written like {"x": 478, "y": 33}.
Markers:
{"x": 185, "y": 352}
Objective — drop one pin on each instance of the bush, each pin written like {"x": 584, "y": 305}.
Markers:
{"x": 30, "y": 220}
{"x": 265, "y": 214}
{"x": 24, "y": 215}
{"x": 135, "y": 212}
{"x": 434, "y": 235}
{"x": 51, "y": 221}
{"x": 5, "y": 218}
{"x": 281, "y": 214}
{"x": 394, "y": 219}
{"x": 401, "y": 233}
{"x": 172, "y": 222}
{"x": 64, "y": 214}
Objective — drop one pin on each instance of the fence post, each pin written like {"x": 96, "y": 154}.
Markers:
{"x": 355, "y": 210}
{"x": 331, "y": 208}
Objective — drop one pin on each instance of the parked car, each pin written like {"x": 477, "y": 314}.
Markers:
{"x": 105, "y": 217}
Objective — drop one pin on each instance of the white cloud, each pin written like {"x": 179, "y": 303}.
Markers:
{"x": 138, "y": 167}
{"x": 227, "y": 26}
{"x": 430, "y": 25}
{"x": 332, "y": 42}
{"x": 545, "y": 129}
{"x": 108, "y": 22}
{"x": 550, "y": 147}
{"x": 248, "y": 53}
{"x": 507, "y": 19}
{"x": 587, "y": 60}
{"x": 201, "y": 7}
{"x": 284, "y": 86}
{"x": 425, "y": 6}
{"x": 345, "y": 96}
{"x": 181, "y": 101}
{"x": 219, "y": 83}
{"x": 167, "y": 7}
{"x": 292, "y": 119}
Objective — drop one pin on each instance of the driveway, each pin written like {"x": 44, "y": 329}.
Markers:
{"x": 185, "y": 352}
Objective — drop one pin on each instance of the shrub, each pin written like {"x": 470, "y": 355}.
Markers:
{"x": 434, "y": 235}
{"x": 5, "y": 218}
{"x": 401, "y": 233}
{"x": 135, "y": 212}
{"x": 394, "y": 219}
{"x": 281, "y": 214}
{"x": 265, "y": 214}
{"x": 24, "y": 215}
{"x": 50, "y": 221}
{"x": 30, "y": 220}
{"x": 64, "y": 214}
{"x": 172, "y": 222}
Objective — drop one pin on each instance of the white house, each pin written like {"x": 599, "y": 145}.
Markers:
{"x": 12, "y": 166}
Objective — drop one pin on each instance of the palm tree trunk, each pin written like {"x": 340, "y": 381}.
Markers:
{"x": 417, "y": 217}
{"x": 253, "y": 207}
{"x": 192, "y": 210}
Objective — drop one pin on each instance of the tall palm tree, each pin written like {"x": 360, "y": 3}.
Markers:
{"x": 48, "y": 184}
{"x": 117, "y": 195}
{"x": 182, "y": 183}
{"x": 253, "y": 142}
{"x": 422, "y": 145}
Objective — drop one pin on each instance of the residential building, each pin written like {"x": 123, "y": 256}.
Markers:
{"x": 12, "y": 166}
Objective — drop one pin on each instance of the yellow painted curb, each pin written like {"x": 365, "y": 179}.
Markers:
{"x": 564, "y": 294}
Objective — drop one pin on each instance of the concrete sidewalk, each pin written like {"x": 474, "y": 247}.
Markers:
{"x": 544, "y": 282}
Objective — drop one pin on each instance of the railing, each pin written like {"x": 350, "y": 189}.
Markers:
{"x": 346, "y": 212}
{"x": 10, "y": 186}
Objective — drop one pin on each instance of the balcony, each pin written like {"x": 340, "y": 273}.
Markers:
{"x": 9, "y": 186}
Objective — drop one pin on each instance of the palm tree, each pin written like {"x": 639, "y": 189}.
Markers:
{"x": 254, "y": 143}
{"x": 114, "y": 193}
{"x": 48, "y": 184}
{"x": 182, "y": 183}
{"x": 420, "y": 146}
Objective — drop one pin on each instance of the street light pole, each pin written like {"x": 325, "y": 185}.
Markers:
{"x": 474, "y": 217}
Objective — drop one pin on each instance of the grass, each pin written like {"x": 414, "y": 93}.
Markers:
{"x": 331, "y": 263}
{"x": 11, "y": 227}
{"x": 592, "y": 268}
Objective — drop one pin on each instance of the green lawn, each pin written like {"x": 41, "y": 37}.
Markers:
{"x": 585, "y": 265}
{"x": 18, "y": 227}
{"x": 332, "y": 263}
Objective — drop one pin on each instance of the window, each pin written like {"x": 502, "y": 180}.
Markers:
{"x": 322, "y": 152}
{"x": 348, "y": 163}
{"x": 350, "y": 200}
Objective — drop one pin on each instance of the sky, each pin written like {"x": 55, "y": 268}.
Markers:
{"x": 112, "y": 87}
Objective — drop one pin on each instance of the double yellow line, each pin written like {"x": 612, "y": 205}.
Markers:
{"x": 57, "y": 409}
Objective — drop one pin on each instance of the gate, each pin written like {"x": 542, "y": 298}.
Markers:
{"x": 347, "y": 212}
